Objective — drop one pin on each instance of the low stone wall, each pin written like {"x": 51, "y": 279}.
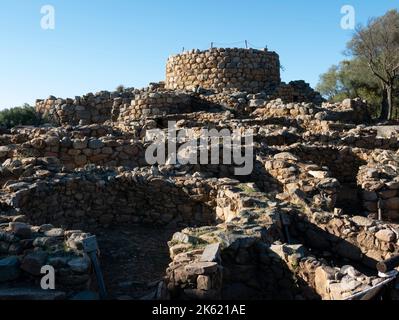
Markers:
{"x": 357, "y": 239}
{"x": 304, "y": 183}
{"x": 379, "y": 182}
{"x": 343, "y": 162}
{"x": 153, "y": 104}
{"x": 242, "y": 69}
{"x": 320, "y": 280}
{"x": 88, "y": 199}
{"x": 232, "y": 260}
{"x": 77, "y": 153}
{"x": 358, "y": 137}
{"x": 350, "y": 111}
{"x": 229, "y": 263}
{"x": 25, "y": 249}
{"x": 297, "y": 91}
{"x": 88, "y": 109}
{"x": 78, "y": 147}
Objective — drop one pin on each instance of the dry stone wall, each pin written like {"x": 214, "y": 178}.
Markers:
{"x": 77, "y": 147}
{"x": 84, "y": 110}
{"x": 24, "y": 249}
{"x": 379, "y": 182}
{"x": 297, "y": 91}
{"x": 155, "y": 104}
{"x": 242, "y": 69}
{"x": 92, "y": 198}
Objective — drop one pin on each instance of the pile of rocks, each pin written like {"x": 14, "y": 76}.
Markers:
{"x": 379, "y": 180}
{"x": 304, "y": 183}
{"x": 25, "y": 249}
{"x": 297, "y": 91}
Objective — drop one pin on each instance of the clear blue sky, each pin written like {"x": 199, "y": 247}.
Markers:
{"x": 100, "y": 44}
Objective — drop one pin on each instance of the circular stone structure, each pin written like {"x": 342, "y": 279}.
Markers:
{"x": 241, "y": 69}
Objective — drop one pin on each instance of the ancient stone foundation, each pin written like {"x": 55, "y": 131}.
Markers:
{"x": 310, "y": 222}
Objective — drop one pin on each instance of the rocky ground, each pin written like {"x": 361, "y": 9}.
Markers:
{"x": 134, "y": 259}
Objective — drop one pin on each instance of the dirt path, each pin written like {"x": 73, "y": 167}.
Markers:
{"x": 133, "y": 259}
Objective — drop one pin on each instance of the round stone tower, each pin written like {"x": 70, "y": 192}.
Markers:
{"x": 218, "y": 69}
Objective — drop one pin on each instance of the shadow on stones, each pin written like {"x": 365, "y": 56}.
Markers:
{"x": 337, "y": 251}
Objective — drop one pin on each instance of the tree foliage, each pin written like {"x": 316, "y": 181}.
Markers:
{"x": 372, "y": 72}
{"x": 24, "y": 115}
{"x": 351, "y": 79}
{"x": 378, "y": 44}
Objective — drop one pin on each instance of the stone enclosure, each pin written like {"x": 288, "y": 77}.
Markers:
{"x": 310, "y": 222}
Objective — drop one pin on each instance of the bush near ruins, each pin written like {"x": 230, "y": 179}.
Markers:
{"x": 120, "y": 88}
{"x": 25, "y": 115}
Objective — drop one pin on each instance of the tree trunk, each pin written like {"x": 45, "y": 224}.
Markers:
{"x": 384, "y": 105}
{"x": 390, "y": 101}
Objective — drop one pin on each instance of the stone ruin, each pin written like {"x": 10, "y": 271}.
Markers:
{"x": 311, "y": 222}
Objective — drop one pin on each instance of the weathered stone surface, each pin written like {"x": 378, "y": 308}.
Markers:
{"x": 386, "y": 235}
{"x": 319, "y": 174}
{"x": 362, "y": 221}
{"x": 9, "y": 269}
{"x": 204, "y": 283}
{"x": 211, "y": 253}
{"x": 79, "y": 265}
{"x": 201, "y": 268}
{"x": 33, "y": 262}
{"x": 285, "y": 156}
{"x": 54, "y": 232}
{"x": 184, "y": 238}
{"x": 80, "y": 144}
{"x": 322, "y": 277}
{"x": 21, "y": 230}
{"x": 95, "y": 144}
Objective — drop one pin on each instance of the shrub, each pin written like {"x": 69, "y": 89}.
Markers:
{"x": 25, "y": 116}
{"x": 120, "y": 88}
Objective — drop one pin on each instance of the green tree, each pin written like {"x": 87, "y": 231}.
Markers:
{"x": 24, "y": 115}
{"x": 377, "y": 43}
{"x": 372, "y": 70}
{"x": 351, "y": 79}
